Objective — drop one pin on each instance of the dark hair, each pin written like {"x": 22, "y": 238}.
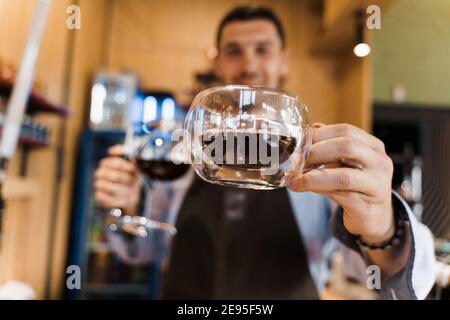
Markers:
{"x": 245, "y": 13}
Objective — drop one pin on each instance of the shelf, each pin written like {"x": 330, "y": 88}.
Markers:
{"x": 37, "y": 103}
{"x": 27, "y": 141}
{"x": 24, "y": 141}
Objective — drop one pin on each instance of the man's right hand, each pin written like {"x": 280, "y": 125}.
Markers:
{"x": 117, "y": 183}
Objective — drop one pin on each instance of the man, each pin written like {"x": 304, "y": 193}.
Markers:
{"x": 234, "y": 243}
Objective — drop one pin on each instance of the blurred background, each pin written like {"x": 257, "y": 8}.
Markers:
{"x": 127, "y": 52}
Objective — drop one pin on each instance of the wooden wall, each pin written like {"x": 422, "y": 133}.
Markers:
{"x": 28, "y": 218}
{"x": 36, "y": 221}
{"x": 164, "y": 42}
{"x": 86, "y": 59}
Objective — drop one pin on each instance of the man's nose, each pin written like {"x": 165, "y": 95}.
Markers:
{"x": 249, "y": 63}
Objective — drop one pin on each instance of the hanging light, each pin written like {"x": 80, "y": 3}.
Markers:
{"x": 361, "y": 49}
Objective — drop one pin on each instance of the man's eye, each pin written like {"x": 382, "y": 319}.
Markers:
{"x": 233, "y": 52}
{"x": 262, "y": 50}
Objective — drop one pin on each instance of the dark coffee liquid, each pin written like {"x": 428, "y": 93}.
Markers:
{"x": 247, "y": 150}
{"x": 241, "y": 157}
{"x": 161, "y": 169}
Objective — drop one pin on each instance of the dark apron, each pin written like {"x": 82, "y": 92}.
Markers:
{"x": 237, "y": 244}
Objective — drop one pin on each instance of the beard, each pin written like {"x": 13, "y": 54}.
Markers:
{"x": 251, "y": 79}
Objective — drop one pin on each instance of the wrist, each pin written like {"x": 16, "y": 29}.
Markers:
{"x": 392, "y": 237}
{"x": 382, "y": 235}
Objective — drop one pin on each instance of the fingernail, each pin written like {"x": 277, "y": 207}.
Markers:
{"x": 318, "y": 125}
{"x": 294, "y": 185}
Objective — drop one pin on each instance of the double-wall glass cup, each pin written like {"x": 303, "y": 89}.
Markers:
{"x": 247, "y": 137}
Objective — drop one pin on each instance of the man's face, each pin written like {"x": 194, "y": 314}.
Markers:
{"x": 250, "y": 53}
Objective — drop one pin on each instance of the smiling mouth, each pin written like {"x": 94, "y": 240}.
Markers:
{"x": 249, "y": 80}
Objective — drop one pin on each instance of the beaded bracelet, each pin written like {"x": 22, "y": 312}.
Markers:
{"x": 400, "y": 226}
{"x": 401, "y": 223}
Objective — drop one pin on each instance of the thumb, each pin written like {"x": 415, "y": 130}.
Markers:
{"x": 116, "y": 150}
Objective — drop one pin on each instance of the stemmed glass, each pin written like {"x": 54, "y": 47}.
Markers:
{"x": 155, "y": 155}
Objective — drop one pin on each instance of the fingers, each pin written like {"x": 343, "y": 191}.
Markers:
{"x": 343, "y": 149}
{"x": 116, "y": 182}
{"x": 108, "y": 200}
{"x": 118, "y": 164}
{"x": 355, "y": 200}
{"x": 347, "y": 130}
{"x": 116, "y": 150}
{"x": 109, "y": 188}
{"x": 331, "y": 180}
{"x": 114, "y": 176}
{"x": 109, "y": 193}
{"x": 316, "y": 125}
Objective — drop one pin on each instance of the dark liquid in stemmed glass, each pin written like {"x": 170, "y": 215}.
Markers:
{"x": 161, "y": 169}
